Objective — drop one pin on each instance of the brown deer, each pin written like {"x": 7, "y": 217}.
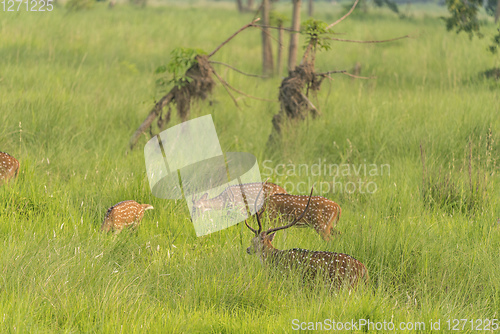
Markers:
{"x": 336, "y": 268}
{"x": 9, "y": 167}
{"x": 124, "y": 214}
{"x": 233, "y": 197}
{"x": 322, "y": 215}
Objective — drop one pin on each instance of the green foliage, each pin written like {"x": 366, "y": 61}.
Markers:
{"x": 495, "y": 43}
{"x": 77, "y": 5}
{"x": 463, "y": 16}
{"x": 390, "y": 4}
{"x": 181, "y": 60}
{"x": 316, "y": 34}
{"x": 491, "y": 7}
{"x": 277, "y": 18}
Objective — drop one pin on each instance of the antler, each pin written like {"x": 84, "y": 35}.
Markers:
{"x": 295, "y": 221}
{"x": 257, "y": 214}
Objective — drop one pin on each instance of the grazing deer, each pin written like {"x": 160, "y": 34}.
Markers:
{"x": 336, "y": 268}
{"x": 9, "y": 167}
{"x": 234, "y": 197}
{"x": 322, "y": 215}
{"x": 124, "y": 214}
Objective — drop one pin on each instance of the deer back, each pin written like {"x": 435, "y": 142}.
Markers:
{"x": 322, "y": 215}
{"x": 9, "y": 166}
{"x": 235, "y": 196}
{"x": 337, "y": 269}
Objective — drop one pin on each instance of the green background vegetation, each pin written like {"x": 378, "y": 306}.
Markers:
{"x": 74, "y": 87}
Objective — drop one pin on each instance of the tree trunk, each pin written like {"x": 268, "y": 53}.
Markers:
{"x": 250, "y": 4}
{"x": 267, "y": 52}
{"x": 280, "y": 50}
{"x": 294, "y": 37}
{"x": 497, "y": 14}
{"x": 239, "y": 4}
{"x": 310, "y": 8}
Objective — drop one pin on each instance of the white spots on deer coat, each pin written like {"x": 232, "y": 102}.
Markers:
{"x": 9, "y": 166}
{"x": 124, "y": 214}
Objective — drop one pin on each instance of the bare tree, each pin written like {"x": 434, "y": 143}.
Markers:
{"x": 294, "y": 37}
{"x": 310, "y": 8}
{"x": 267, "y": 51}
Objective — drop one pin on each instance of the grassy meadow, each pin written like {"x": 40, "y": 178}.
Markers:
{"x": 75, "y": 86}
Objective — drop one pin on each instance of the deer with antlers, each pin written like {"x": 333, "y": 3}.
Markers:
{"x": 234, "y": 197}
{"x": 323, "y": 214}
{"x": 336, "y": 268}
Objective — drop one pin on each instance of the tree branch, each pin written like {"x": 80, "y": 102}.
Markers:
{"x": 237, "y": 70}
{"x": 343, "y": 17}
{"x": 251, "y": 24}
{"x": 309, "y": 102}
{"x": 330, "y": 72}
{"x": 357, "y": 76}
{"x": 225, "y": 84}
{"x": 382, "y": 41}
{"x": 151, "y": 117}
{"x": 239, "y": 91}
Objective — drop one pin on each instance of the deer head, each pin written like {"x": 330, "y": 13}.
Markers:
{"x": 261, "y": 243}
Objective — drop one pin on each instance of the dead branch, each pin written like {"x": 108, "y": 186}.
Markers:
{"x": 343, "y": 17}
{"x": 237, "y": 70}
{"x": 382, "y": 41}
{"x": 309, "y": 103}
{"x": 357, "y": 76}
{"x": 331, "y": 72}
{"x": 251, "y": 24}
{"x": 151, "y": 117}
{"x": 225, "y": 84}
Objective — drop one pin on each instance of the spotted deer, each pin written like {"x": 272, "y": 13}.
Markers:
{"x": 124, "y": 214}
{"x": 233, "y": 197}
{"x": 9, "y": 167}
{"x": 322, "y": 215}
{"x": 337, "y": 269}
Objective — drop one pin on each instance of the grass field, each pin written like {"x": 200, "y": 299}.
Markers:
{"x": 75, "y": 86}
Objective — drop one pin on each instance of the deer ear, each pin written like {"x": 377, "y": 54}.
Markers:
{"x": 271, "y": 236}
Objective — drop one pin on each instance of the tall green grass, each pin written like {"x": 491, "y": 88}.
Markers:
{"x": 74, "y": 87}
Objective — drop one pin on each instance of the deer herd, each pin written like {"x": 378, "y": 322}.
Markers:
{"x": 322, "y": 214}
{"x": 319, "y": 213}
